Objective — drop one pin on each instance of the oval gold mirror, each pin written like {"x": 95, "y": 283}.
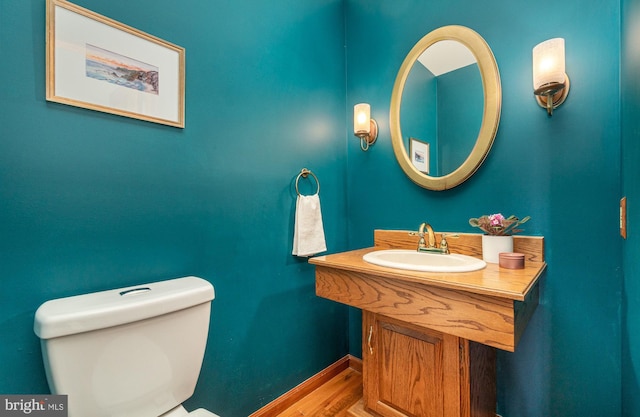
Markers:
{"x": 456, "y": 127}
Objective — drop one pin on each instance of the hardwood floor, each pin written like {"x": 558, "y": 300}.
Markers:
{"x": 332, "y": 399}
{"x": 331, "y": 393}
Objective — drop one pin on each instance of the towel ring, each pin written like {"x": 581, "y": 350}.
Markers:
{"x": 304, "y": 173}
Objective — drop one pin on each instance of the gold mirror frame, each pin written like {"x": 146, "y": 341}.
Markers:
{"x": 490, "y": 118}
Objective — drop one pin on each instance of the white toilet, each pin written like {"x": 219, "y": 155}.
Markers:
{"x": 130, "y": 352}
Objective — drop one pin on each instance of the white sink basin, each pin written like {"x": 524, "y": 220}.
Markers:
{"x": 424, "y": 261}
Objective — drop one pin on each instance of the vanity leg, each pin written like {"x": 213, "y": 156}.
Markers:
{"x": 478, "y": 372}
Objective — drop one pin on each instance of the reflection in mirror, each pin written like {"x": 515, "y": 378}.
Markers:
{"x": 445, "y": 107}
{"x": 442, "y": 107}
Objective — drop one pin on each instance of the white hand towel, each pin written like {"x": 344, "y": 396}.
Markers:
{"x": 308, "y": 233}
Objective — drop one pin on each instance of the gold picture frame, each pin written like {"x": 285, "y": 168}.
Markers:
{"x": 100, "y": 64}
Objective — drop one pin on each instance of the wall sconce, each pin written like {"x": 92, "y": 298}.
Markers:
{"x": 550, "y": 82}
{"x": 364, "y": 126}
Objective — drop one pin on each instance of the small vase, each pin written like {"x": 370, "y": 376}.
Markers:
{"x": 494, "y": 245}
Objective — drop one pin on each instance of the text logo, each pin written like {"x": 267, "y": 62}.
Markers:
{"x": 33, "y": 405}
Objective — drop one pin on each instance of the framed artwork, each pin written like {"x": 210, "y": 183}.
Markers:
{"x": 420, "y": 155}
{"x": 100, "y": 64}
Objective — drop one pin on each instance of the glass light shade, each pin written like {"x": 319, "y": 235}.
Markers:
{"x": 548, "y": 63}
{"x": 361, "y": 118}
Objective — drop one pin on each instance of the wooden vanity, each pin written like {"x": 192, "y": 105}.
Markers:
{"x": 429, "y": 339}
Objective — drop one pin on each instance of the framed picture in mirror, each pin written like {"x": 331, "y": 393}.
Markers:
{"x": 420, "y": 155}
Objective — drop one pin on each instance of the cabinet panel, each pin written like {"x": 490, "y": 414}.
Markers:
{"x": 407, "y": 369}
{"x": 411, "y": 382}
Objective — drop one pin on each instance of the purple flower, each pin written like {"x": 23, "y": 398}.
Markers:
{"x": 496, "y": 219}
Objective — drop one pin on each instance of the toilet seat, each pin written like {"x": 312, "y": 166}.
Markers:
{"x": 201, "y": 412}
{"x": 180, "y": 411}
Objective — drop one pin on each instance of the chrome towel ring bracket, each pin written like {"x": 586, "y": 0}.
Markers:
{"x": 304, "y": 173}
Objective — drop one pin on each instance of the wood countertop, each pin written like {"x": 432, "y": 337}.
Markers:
{"x": 513, "y": 284}
{"x": 491, "y": 306}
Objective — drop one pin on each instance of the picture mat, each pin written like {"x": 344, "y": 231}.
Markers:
{"x": 72, "y": 86}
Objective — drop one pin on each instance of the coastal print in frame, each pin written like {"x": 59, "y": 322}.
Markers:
{"x": 100, "y": 64}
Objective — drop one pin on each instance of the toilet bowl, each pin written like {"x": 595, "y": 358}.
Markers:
{"x": 129, "y": 352}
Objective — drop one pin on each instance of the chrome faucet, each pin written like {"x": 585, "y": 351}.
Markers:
{"x": 429, "y": 244}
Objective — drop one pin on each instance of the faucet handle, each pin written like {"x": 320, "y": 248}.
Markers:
{"x": 450, "y": 235}
{"x": 419, "y": 234}
{"x": 421, "y": 242}
{"x": 444, "y": 245}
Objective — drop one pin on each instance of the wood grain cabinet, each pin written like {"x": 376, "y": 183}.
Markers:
{"x": 411, "y": 371}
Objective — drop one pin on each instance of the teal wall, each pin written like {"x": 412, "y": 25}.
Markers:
{"x": 419, "y": 114}
{"x": 630, "y": 68}
{"x": 90, "y": 201}
{"x": 460, "y": 98}
{"x": 563, "y": 171}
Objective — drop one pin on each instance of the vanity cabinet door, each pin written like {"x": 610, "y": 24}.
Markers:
{"x": 404, "y": 369}
{"x": 411, "y": 371}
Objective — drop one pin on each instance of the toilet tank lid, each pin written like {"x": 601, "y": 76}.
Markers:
{"x": 99, "y": 310}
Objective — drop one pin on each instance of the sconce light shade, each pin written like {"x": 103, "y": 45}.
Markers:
{"x": 361, "y": 117}
{"x": 550, "y": 81}
{"x": 364, "y": 126}
{"x": 548, "y": 63}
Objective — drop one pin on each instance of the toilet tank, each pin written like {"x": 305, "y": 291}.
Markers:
{"x": 134, "y": 351}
